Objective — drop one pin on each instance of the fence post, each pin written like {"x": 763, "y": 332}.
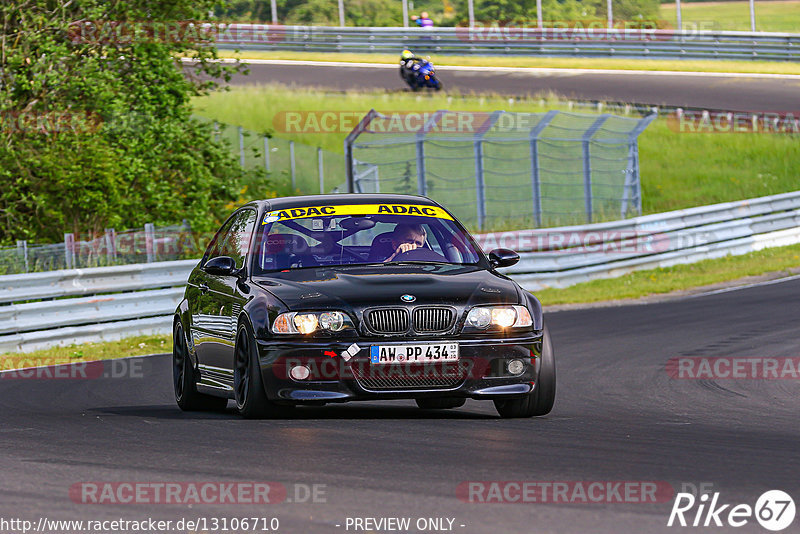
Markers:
{"x": 480, "y": 187}
{"x": 587, "y": 164}
{"x": 149, "y": 242}
{"x": 69, "y": 250}
{"x": 480, "y": 184}
{"x": 241, "y": 146}
{"x": 349, "y": 172}
{"x": 266, "y": 153}
{"x": 111, "y": 246}
{"x": 422, "y": 184}
{"x": 22, "y": 247}
{"x": 291, "y": 162}
{"x": 421, "y": 189}
{"x": 321, "y": 172}
{"x": 536, "y": 185}
{"x": 632, "y": 185}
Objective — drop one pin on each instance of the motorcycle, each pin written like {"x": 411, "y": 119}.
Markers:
{"x": 424, "y": 76}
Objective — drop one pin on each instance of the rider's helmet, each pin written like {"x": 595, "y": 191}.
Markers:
{"x": 407, "y": 54}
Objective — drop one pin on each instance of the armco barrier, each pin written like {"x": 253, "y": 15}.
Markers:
{"x": 481, "y": 40}
{"x": 108, "y": 303}
{"x": 96, "y": 304}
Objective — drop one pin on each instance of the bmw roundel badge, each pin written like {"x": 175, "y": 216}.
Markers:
{"x": 408, "y": 298}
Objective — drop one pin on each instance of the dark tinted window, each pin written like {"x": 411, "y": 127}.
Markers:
{"x": 234, "y": 238}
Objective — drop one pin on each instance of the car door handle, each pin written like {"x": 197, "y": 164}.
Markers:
{"x": 203, "y": 288}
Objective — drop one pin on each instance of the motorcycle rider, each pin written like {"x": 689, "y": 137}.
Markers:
{"x": 409, "y": 63}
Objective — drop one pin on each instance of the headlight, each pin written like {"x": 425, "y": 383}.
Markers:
{"x": 310, "y": 322}
{"x": 482, "y": 317}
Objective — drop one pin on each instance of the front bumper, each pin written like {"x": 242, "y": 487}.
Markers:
{"x": 480, "y": 373}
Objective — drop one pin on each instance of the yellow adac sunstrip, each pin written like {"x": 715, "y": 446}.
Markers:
{"x": 355, "y": 209}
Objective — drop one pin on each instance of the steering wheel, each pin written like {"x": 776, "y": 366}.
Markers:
{"x": 420, "y": 254}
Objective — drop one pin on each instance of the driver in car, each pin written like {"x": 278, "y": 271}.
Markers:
{"x": 407, "y": 237}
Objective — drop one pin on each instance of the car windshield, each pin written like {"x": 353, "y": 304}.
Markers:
{"x": 360, "y": 234}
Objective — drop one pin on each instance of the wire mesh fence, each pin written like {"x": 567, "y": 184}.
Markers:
{"x": 148, "y": 244}
{"x": 304, "y": 168}
{"x": 505, "y": 170}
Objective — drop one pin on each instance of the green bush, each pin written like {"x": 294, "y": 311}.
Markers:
{"x": 95, "y": 126}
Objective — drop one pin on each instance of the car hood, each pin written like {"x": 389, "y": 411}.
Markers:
{"x": 382, "y": 285}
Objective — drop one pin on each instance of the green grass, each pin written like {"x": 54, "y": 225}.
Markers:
{"x": 132, "y": 346}
{"x": 772, "y": 16}
{"x": 678, "y": 170}
{"x": 760, "y": 67}
{"x": 680, "y": 277}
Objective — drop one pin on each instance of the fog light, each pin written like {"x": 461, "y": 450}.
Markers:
{"x": 515, "y": 367}
{"x": 300, "y": 372}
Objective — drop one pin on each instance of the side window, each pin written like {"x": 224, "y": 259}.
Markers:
{"x": 213, "y": 249}
{"x": 236, "y": 242}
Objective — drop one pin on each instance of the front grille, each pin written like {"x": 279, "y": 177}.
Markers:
{"x": 398, "y": 376}
{"x": 430, "y": 320}
{"x": 388, "y": 320}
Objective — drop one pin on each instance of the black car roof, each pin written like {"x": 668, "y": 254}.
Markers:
{"x": 349, "y": 198}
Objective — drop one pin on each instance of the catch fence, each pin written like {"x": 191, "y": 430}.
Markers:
{"x": 504, "y": 170}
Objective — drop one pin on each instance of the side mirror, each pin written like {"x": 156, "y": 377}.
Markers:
{"x": 221, "y": 266}
{"x": 503, "y": 257}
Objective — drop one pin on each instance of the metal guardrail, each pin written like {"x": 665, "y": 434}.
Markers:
{"x": 106, "y": 303}
{"x": 490, "y": 40}
{"x": 96, "y": 304}
{"x": 560, "y": 257}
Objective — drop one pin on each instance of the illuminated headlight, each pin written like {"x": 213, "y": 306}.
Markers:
{"x": 483, "y": 317}
{"x": 310, "y": 322}
{"x": 305, "y": 322}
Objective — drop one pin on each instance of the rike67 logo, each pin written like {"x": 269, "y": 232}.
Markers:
{"x": 774, "y": 510}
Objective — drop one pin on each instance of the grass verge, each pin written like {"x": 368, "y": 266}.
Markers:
{"x": 678, "y": 278}
{"x": 86, "y": 352}
{"x": 753, "y": 67}
{"x": 678, "y": 170}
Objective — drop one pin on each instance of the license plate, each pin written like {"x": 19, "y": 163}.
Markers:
{"x": 439, "y": 352}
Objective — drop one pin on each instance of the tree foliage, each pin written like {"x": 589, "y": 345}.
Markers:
{"x": 95, "y": 118}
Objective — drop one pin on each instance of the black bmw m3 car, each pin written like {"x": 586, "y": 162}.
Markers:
{"x": 335, "y": 298}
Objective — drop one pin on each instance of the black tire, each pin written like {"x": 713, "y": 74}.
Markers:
{"x": 440, "y": 403}
{"x": 184, "y": 378}
{"x": 540, "y": 401}
{"x": 248, "y": 386}
{"x": 439, "y": 86}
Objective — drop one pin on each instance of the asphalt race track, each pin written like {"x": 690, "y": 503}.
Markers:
{"x": 736, "y": 93}
{"x": 618, "y": 417}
